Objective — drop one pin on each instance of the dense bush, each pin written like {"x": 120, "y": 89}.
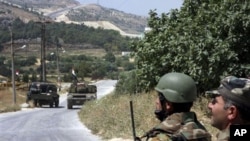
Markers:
{"x": 127, "y": 83}
{"x": 205, "y": 39}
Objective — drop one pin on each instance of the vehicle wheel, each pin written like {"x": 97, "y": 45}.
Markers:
{"x": 51, "y": 104}
{"x": 35, "y": 103}
{"x": 69, "y": 106}
{"x": 57, "y": 103}
{"x": 39, "y": 104}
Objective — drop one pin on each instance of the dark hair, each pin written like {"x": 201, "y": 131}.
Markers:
{"x": 244, "y": 111}
{"x": 182, "y": 107}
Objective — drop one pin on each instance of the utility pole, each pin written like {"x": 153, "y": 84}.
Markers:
{"x": 57, "y": 66}
{"x": 12, "y": 63}
{"x": 43, "y": 57}
{"x": 8, "y": 23}
{"x": 43, "y": 50}
{"x": 12, "y": 66}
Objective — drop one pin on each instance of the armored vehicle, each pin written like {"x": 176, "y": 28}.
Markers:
{"x": 80, "y": 93}
{"x": 43, "y": 93}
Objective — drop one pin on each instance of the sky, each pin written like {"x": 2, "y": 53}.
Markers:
{"x": 138, "y": 7}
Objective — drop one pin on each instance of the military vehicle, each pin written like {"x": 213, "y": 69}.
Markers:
{"x": 80, "y": 93}
{"x": 43, "y": 93}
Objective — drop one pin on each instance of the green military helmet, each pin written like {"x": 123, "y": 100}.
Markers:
{"x": 177, "y": 87}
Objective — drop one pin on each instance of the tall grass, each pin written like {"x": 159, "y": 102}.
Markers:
{"x": 110, "y": 116}
{"x": 6, "y": 100}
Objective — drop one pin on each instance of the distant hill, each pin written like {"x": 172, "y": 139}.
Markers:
{"x": 71, "y": 11}
{"x": 8, "y": 11}
{"x": 92, "y": 12}
{"x": 43, "y": 4}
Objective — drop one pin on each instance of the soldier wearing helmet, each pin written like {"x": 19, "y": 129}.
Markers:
{"x": 230, "y": 105}
{"x": 176, "y": 94}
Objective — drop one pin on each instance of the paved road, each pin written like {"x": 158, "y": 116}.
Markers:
{"x": 59, "y": 12}
{"x": 49, "y": 124}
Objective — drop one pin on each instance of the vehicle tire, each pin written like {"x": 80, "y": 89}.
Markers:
{"x": 35, "y": 103}
{"x": 57, "y": 103}
{"x": 39, "y": 104}
{"x": 51, "y": 104}
{"x": 69, "y": 105}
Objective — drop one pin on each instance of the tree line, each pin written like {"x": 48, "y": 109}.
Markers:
{"x": 69, "y": 33}
{"x": 73, "y": 34}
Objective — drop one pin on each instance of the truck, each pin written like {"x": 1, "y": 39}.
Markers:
{"x": 79, "y": 93}
{"x": 43, "y": 93}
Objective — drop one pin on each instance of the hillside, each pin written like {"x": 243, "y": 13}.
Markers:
{"x": 71, "y": 11}
{"x": 126, "y": 22}
{"x": 8, "y": 11}
{"x": 40, "y": 5}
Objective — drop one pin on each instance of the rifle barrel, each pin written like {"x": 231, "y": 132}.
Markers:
{"x": 132, "y": 119}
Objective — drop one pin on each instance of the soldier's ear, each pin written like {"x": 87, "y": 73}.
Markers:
{"x": 169, "y": 106}
{"x": 232, "y": 113}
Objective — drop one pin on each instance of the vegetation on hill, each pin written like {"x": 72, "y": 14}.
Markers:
{"x": 205, "y": 39}
{"x": 75, "y": 36}
{"x": 69, "y": 33}
{"x": 11, "y": 12}
{"x": 129, "y": 23}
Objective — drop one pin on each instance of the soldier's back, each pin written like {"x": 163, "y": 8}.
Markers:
{"x": 179, "y": 127}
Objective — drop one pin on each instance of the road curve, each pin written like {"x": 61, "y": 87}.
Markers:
{"x": 49, "y": 124}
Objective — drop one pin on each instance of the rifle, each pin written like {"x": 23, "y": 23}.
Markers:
{"x": 133, "y": 122}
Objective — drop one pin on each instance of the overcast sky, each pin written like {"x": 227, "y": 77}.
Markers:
{"x": 138, "y": 7}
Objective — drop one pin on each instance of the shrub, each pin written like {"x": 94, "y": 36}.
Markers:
{"x": 127, "y": 83}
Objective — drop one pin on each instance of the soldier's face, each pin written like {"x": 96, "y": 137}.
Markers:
{"x": 158, "y": 104}
{"x": 162, "y": 109}
{"x": 218, "y": 113}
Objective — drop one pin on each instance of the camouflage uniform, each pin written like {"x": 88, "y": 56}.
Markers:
{"x": 237, "y": 90}
{"x": 223, "y": 135}
{"x": 179, "y": 127}
{"x": 177, "y": 88}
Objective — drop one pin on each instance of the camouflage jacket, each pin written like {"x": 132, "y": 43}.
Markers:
{"x": 223, "y": 135}
{"x": 179, "y": 127}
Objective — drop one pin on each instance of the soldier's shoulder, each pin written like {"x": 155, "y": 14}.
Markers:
{"x": 171, "y": 124}
{"x": 191, "y": 133}
{"x": 160, "y": 137}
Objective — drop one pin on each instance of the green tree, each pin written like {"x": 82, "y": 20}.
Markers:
{"x": 110, "y": 57}
{"x": 33, "y": 77}
{"x": 206, "y": 39}
{"x": 127, "y": 83}
{"x": 26, "y": 77}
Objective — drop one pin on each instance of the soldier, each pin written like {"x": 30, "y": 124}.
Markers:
{"x": 176, "y": 93}
{"x": 230, "y": 105}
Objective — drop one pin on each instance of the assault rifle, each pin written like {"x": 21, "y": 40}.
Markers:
{"x": 133, "y": 122}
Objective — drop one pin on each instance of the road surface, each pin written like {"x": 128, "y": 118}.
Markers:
{"x": 50, "y": 124}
